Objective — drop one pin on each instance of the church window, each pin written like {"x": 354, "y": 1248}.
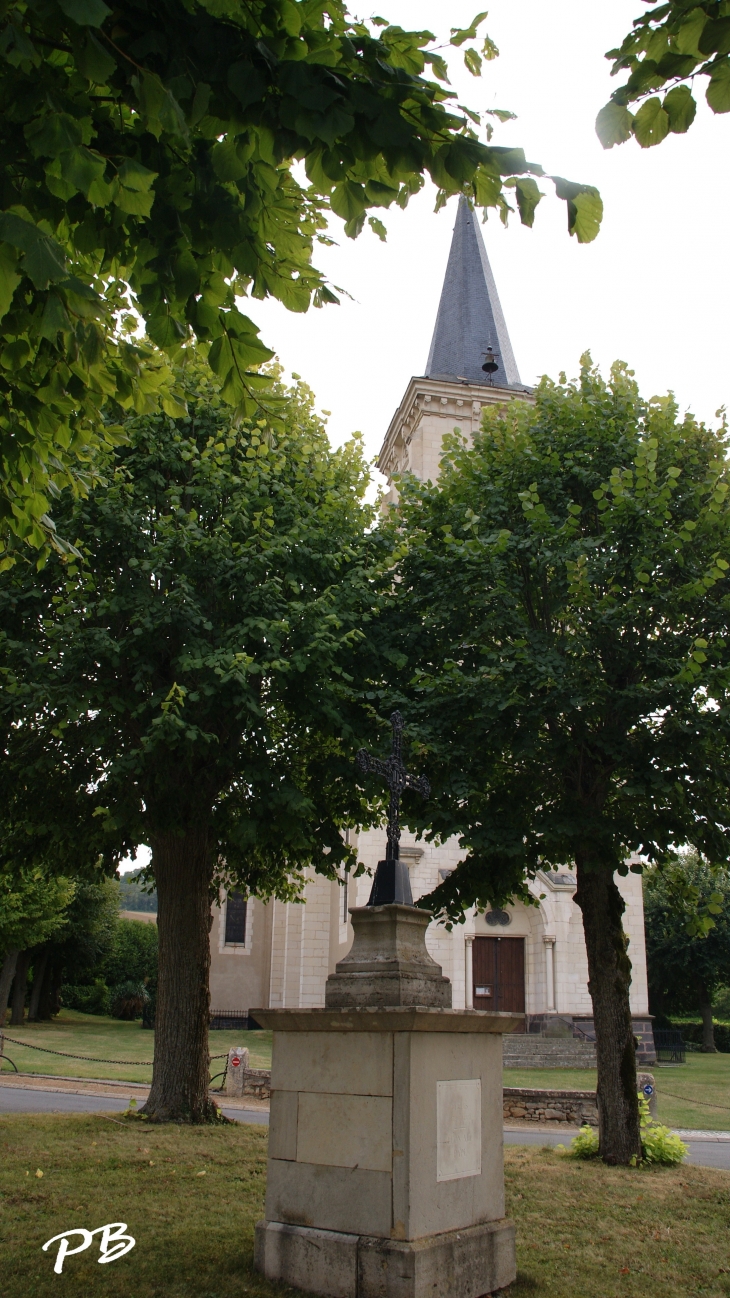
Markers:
{"x": 235, "y": 918}
{"x": 495, "y": 917}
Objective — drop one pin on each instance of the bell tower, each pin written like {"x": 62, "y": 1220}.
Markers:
{"x": 470, "y": 365}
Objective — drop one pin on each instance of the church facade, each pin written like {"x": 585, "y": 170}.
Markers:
{"x": 526, "y": 958}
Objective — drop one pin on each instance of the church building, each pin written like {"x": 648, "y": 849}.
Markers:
{"x": 524, "y": 958}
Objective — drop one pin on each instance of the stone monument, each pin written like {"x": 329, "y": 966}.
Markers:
{"x": 385, "y": 1170}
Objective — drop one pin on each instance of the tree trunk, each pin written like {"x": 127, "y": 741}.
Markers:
{"x": 708, "y": 1027}
{"x": 7, "y": 973}
{"x": 50, "y": 992}
{"x": 20, "y": 986}
{"x": 40, "y": 960}
{"x": 183, "y": 870}
{"x": 609, "y": 980}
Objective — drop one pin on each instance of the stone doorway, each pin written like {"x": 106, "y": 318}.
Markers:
{"x": 498, "y": 966}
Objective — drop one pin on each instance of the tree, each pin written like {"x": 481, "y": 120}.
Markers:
{"x": 192, "y": 673}
{"x": 147, "y": 156}
{"x": 669, "y": 45}
{"x": 686, "y": 968}
{"x": 80, "y": 951}
{"x": 561, "y": 615}
{"x": 33, "y": 905}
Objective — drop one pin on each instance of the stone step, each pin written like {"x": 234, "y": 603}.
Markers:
{"x": 542, "y": 1052}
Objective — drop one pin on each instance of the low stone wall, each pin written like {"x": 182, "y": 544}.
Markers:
{"x": 257, "y": 1081}
{"x": 574, "y": 1108}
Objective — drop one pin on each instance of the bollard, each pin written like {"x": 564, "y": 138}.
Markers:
{"x": 237, "y": 1069}
{"x": 647, "y": 1087}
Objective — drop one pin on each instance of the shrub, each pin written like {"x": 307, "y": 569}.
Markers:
{"x": 585, "y": 1144}
{"x": 91, "y": 999}
{"x": 128, "y": 1000}
{"x": 692, "y": 1034}
{"x": 658, "y": 1143}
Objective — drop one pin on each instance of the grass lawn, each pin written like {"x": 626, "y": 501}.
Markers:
{"x": 106, "y": 1038}
{"x": 584, "y": 1231}
{"x": 704, "y": 1078}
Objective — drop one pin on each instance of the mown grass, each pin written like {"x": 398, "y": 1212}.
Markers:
{"x": 107, "y": 1038}
{"x": 584, "y": 1230}
{"x": 702, "y": 1083}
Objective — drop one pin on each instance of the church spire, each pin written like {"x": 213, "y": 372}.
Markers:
{"x": 470, "y": 317}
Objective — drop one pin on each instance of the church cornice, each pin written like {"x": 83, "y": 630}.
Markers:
{"x": 445, "y": 398}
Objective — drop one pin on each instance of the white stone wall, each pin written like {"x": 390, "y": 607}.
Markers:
{"x": 291, "y": 948}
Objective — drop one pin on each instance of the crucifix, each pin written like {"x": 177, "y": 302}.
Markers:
{"x": 391, "y": 882}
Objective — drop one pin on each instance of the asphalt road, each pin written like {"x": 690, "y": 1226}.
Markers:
{"x": 705, "y": 1151}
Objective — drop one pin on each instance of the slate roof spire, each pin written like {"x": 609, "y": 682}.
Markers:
{"x": 470, "y": 317}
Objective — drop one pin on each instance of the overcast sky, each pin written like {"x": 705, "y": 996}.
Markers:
{"x": 651, "y": 290}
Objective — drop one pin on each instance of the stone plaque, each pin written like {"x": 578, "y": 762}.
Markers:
{"x": 458, "y": 1129}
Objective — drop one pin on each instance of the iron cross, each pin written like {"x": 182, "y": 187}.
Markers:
{"x": 397, "y": 779}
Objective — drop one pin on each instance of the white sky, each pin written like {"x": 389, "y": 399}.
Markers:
{"x": 651, "y": 290}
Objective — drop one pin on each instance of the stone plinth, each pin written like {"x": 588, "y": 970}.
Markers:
{"x": 385, "y": 1176}
{"x": 388, "y": 963}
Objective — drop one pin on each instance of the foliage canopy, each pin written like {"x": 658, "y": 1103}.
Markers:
{"x": 564, "y": 593}
{"x": 669, "y": 46}
{"x": 146, "y": 156}
{"x": 191, "y": 673}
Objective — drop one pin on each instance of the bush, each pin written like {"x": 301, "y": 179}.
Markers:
{"x": 128, "y": 1000}
{"x": 692, "y": 1034}
{"x": 134, "y": 955}
{"x": 658, "y": 1143}
{"x": 91, "y": 999}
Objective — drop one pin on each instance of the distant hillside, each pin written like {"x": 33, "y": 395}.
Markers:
{"x": 132, "y": 895}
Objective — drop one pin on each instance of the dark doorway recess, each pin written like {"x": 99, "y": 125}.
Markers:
{"x": 499, "y": 974}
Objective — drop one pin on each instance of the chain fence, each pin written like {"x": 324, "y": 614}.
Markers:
{"x": 88, "y": 1059}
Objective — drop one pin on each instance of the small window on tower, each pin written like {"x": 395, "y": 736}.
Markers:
{"x": 235, "y": 918}
{"x": 345, "y": 890}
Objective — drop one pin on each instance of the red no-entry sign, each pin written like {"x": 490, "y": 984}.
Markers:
{"x": 235, "y": 1061}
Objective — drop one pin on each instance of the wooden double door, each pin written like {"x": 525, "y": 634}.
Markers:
{"x": 498, "y": 966}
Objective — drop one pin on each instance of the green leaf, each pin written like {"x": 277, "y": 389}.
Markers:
{"x": 133, "y": 175}
{"x": 81, "y": 168}
{"x": 246, "y": 82}
{"x": 715, "y": 38}
{"x": 87, "y": 13}
{"x": 614, "y": 124}
{"x": 9, "y": 277}
{"x": 55, "y": 318}
{"x": 439, "y": 65}
{"x": 718, "y": 91}
{"x": 687, "y": 38}
{"x": 461, "y": 34}
{"x": 651, "y": 123}
{"x": 44, "y": 262}
{"x": 53, "y": 135}
{"x": 680, "y": 107}
{"x": 473, "y": 62}
{"x": 95, "y": 62}
{"x": 348, "y": 200}
{"x": 158, "y": 107}
{"x": 133, "y": 201}
{"x": 528, "y": 196}
{"x": 585, "y": 208}
{"x": 378, "y": 228}
{"x": 291, "y": 17}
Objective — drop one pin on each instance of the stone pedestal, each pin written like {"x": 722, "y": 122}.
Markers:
{"x": 385, "y": 1171}
{"x": 388, "y": 963}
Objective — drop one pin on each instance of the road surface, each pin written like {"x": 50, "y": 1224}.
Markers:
{"x": 710, "y": 1149}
